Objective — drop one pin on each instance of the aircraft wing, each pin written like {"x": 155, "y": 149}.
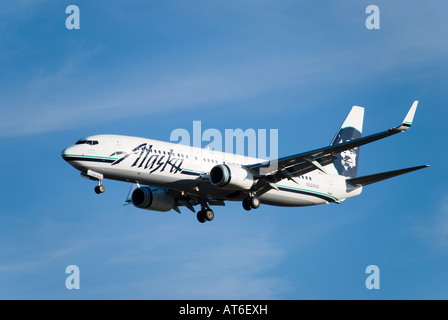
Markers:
{"x": 289, "y": 166}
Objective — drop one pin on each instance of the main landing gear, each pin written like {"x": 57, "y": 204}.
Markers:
{"x": 205, "y": 214}
{"x": 251, "y": 203}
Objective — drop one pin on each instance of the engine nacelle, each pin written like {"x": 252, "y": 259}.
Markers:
{"x": 150, "y": 199}
{"x": 228, "y": 176}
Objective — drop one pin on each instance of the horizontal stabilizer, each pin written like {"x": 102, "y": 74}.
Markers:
{"x": 363, "y": 181}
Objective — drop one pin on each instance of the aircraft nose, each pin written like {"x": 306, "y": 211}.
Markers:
{"x": 65, "y": 154}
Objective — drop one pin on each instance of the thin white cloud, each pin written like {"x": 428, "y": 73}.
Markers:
{"x": 56, "y": 101}
{"x": 30, "y": 262}
{"x": 151, "y": 261}
{"x": 43, "y": 106}
{"x": 223, "y": 265}
{"x": 74, "y": 94}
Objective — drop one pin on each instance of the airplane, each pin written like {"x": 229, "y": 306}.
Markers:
{"x": 166, "y": 176}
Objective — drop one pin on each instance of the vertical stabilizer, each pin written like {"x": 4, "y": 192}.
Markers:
{"x": 346, "y": 162}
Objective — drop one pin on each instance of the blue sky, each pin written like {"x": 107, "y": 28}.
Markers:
{"x": 145, "y": 68}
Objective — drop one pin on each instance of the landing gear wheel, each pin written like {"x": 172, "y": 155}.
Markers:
{"x": 100, "y": 189}
{"x": 209, "y": 215}
{"x": 201, "y": 216}
{"x": 254, "y": 202}
{"x": 246, "y": 205}
{"x": 251, "y": 203}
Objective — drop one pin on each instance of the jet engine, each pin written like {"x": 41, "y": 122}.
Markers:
{"x": 152, "y": 199}
{"x": 233, "y": 177}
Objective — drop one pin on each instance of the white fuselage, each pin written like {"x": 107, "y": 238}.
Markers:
{"x": 185, "y": 169}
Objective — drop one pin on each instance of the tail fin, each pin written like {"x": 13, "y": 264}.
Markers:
{"x": 346, "y": 162}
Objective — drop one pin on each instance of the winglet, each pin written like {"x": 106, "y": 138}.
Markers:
{"x": 407, "y": 122}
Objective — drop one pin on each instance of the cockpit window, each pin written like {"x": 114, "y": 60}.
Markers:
{"x": 91, "y": 142}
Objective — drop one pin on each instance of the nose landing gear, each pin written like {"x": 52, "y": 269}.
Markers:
{"x": 99, "y": 188}
{"x": 92, "y": 175}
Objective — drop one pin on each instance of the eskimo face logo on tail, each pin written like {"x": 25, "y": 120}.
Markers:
{"x": 346, "y": 162}
{"x": 147, "y": 159}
